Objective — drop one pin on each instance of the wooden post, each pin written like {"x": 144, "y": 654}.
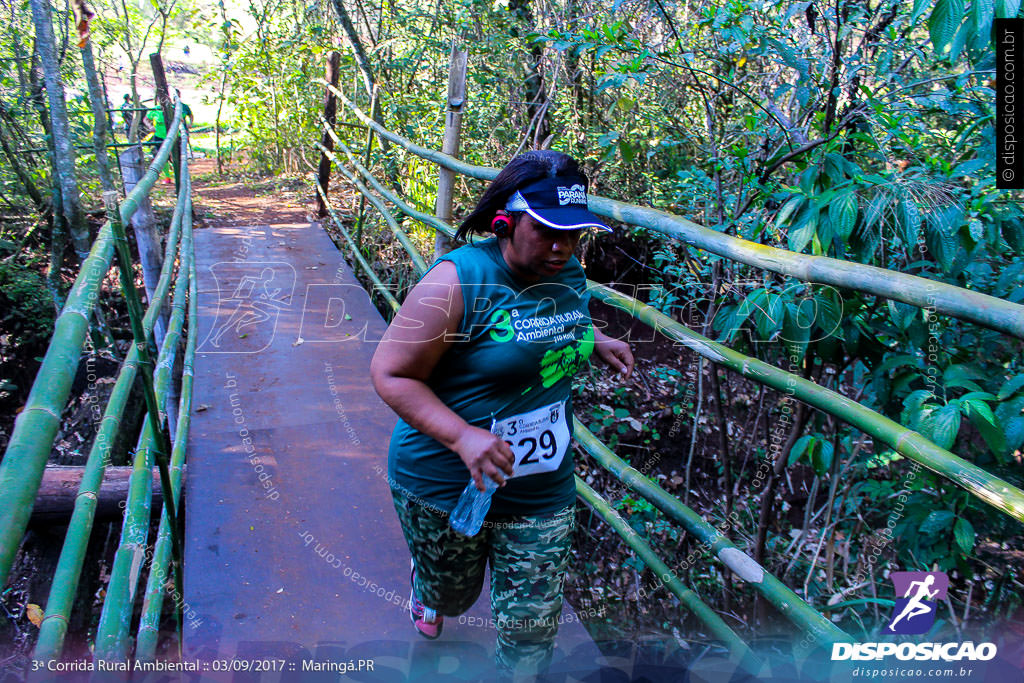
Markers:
{"x": 330, "y": 113}
{"x": 450, "y": 145}
{"x": 163, "y": 98}
{"x": 361, "y": 216}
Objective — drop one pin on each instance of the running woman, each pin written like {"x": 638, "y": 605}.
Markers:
{"x": 487, "y": 344}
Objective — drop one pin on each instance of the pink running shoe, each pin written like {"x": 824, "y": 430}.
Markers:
{"x": 427, "y": 621}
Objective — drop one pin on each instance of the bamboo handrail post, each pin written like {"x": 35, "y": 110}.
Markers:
{"x": 788, "y": 602}
{"x": 739, "y": 650}
{"x": 69, "y": 566}
{"x": 392, "y": 301}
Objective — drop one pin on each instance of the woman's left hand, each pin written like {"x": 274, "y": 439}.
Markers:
{"x": 614, "y": 352}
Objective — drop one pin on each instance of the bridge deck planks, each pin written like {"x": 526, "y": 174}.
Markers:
{"x": 289, "y": 520}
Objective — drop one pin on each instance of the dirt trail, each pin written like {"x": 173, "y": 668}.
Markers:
{"x": 246, "y": 199}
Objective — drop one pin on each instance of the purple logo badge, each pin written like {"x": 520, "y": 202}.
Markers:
{"x": 917, "y": 595}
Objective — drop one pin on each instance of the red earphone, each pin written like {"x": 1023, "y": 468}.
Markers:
{"x": 501, "y": 223}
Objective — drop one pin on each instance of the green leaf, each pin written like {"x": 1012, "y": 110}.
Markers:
{"x": 1015, "y": 434}
{"x": 804, "y": 228}
{"x": 919, "y": 7}
{"x": 821, "y": 458}
{"x": 1013, "y": 233}
{"x": 769, "y": 321}
{"x": 1011, "y": 387}
{"x": 983, "y": 11}
{"x": 875, "y": 211}
{"x": 909, "y": 219}
{"x": 1007, "y": 9}
{"x": 902, "y": 314}
{"x": 942, "y": 425}
{"x": 961, "y": 375}
{"x": 621, "y": 413}
{"x": 796, "y": 330}
{"x": 943, "y": 22}
{"x": 842, "y": 212}
{"x": 964, "y": 534}
{"x": 791, "y": 205}
{"x": 973, "y": 406}
{"x": 936, "y": 522}
{"x": 942, "y": 244}
{"x": 830, "y": 311}
{"x": 985, "y": 422}
{"x": 912, "y": 407}
{"x": 976, "y": 229}
{"x": 799, "y": 448}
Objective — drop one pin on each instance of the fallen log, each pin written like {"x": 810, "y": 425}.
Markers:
{"x": 56, "y": 498}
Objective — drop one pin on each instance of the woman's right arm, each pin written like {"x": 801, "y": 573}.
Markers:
{"x": 419, "y": 335}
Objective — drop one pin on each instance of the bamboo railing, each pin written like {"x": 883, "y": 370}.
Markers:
{"x": 909, "y": 443}
{"x": 966, "y": 304}
{"x": 972, "y": 306}
{"x": 25, "y": 458}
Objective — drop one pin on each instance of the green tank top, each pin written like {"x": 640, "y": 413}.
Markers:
{"x": 518, "y": 348}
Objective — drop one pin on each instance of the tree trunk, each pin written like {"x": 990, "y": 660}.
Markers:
{"x": 64, "y": 153}
{"x": 23, "y": 177}
{"x": 362, "y": 62}
{"x": 330, "y": 115}
{"x": 536, "y": 98}
{"x": 99, "y": 114}
{"x": 57, "y": 493}
{"x": 147, "y": 234}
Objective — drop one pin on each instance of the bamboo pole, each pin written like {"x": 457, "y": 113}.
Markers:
{"x": 147, "y": 355}
{"x": 156, "y": 582}
{"x": 414, "y": 253}
{"x": 408, "y": 210}
{"x": 76, "y": 540}
{"x": 112, "y": 632}
{"x": 982, "y": 309}
{"x": 450, "y": 143}
{"x": 21, "y": 469}
{"x": 367, "y": 268}
{"x": 976, "y": 481}
{"x": 741, "y": 654}
{"x": 990, "y": 489}
{"x": 742, "y": 565}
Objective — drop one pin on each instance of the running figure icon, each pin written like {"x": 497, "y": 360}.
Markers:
{"x": 915, "y": 607}
{"x": 253, "y": 305}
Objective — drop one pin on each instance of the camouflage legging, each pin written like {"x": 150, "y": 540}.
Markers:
{"x": 528, "y": 555}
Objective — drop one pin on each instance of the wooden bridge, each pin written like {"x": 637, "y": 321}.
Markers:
{"x": 292, "y": 548}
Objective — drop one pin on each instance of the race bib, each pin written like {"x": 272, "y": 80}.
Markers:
{"x": 539, "y": 439}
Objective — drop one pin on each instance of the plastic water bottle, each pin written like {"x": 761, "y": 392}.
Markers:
{"x": 468, "y": 515}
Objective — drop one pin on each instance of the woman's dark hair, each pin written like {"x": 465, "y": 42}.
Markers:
{"x": 518, "y": 173}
